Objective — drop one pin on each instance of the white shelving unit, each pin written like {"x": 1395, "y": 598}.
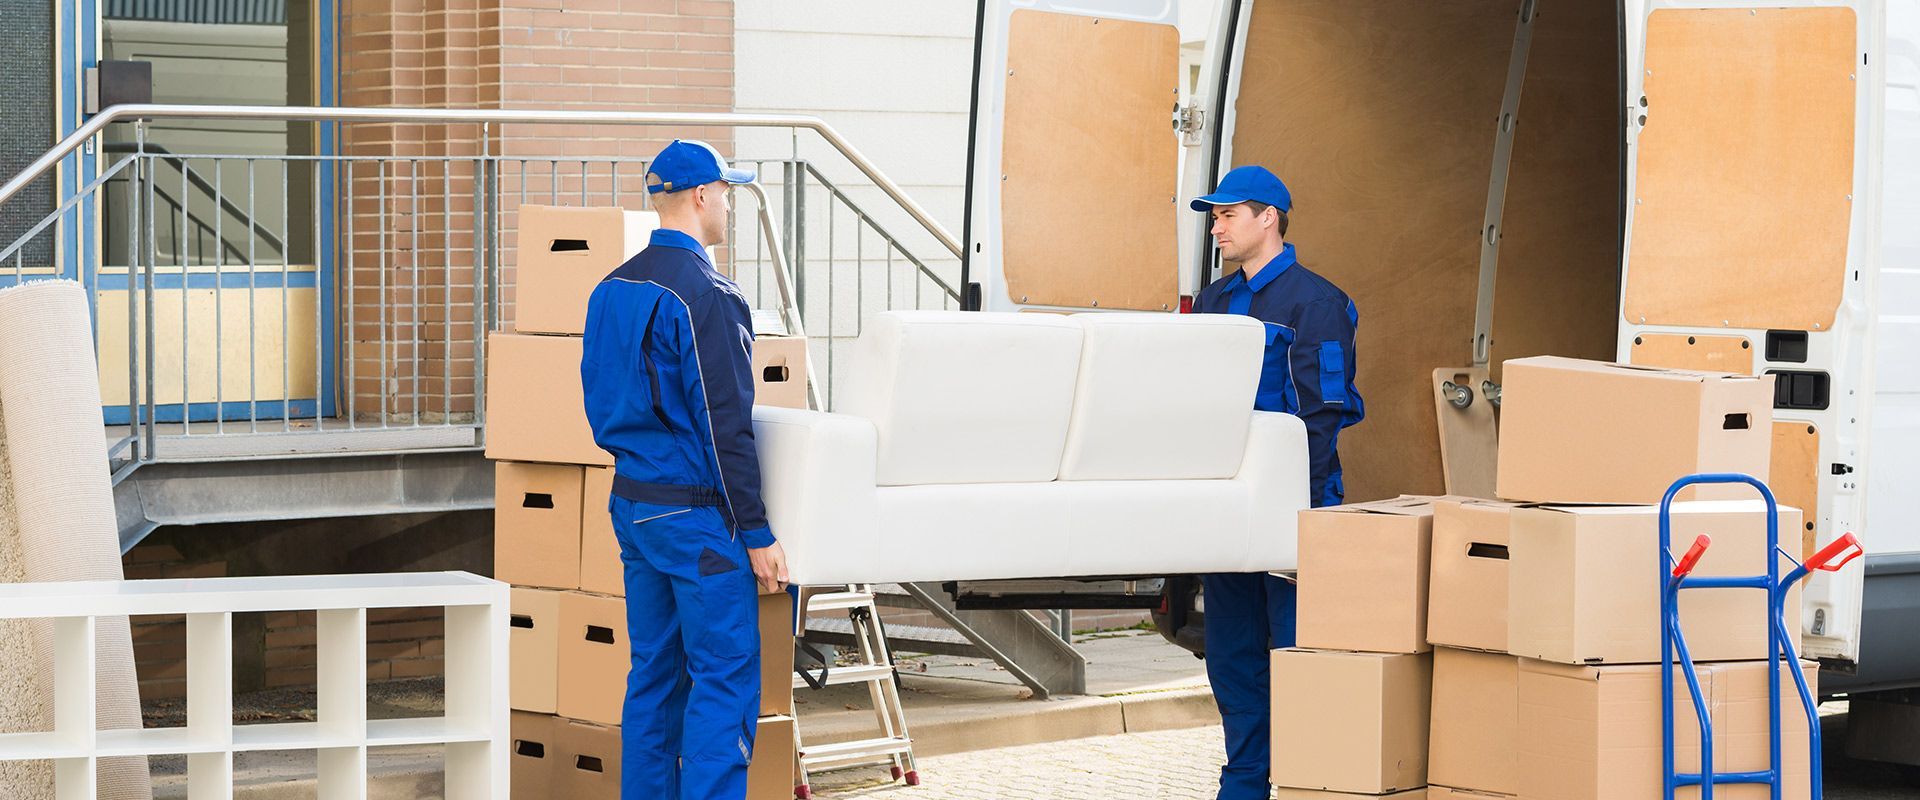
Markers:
{"x": 474, "y": 728}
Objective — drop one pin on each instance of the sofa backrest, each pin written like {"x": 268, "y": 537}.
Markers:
{"x": 1162, "y": 396}
{"x": 964, "y": 397}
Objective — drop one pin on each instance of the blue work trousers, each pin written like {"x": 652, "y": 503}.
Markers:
{"x": 693, "y": 694}
{"x": 1246, "y": 616}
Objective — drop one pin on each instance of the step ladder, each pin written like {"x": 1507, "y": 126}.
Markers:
{"x": 892, "y": 747}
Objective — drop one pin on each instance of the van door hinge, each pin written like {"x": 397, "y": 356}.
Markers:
{"x": 1188, "y": 120}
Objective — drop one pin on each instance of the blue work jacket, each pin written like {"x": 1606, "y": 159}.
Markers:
{"x": 1308, "y": 369}
{"x": 667, "y": 371}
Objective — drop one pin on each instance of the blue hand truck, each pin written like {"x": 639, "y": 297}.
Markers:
{"x": 1677, "y": 576}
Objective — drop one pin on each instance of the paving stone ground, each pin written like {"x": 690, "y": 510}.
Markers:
{"x": 1185, "y": 764}
{"x": 1161, "y": 764}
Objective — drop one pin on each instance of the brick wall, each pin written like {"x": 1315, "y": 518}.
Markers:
{"x": 410, "y": 255}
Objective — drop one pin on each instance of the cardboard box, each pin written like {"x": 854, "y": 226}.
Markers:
{"x": 536, "y": 524}
{"x": 1350, "y": 722}
{"x": 533, "y": 646}
{"x": 1476, "y": 718}
{"x": 534, "y": 758}
{"x": 770, "y": 773}
{"x": 600, "y": 567}
{"x": 1584, "y": 582}
{"x": 589, "y": 764}
{"x": 1312, "y": 794}
{"x": 1594, "y": 733}
{"x": 1363, "y": 576}
{"x": 776, "y": 655}
{"x": 780, "y": 371}
{"x": 1450, "y": 793}
{"x": 536, "y": 409}
{"x": 1574, "y": 431}
{"x": 562, "y": 254}
{"x": 1467, "y": 596}
{"x": 594, "y": 657}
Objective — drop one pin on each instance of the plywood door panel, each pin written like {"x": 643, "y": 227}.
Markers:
{"x": 1682, "y": 351}
{"x": 1744, "y": 177}
{"x": 1379, "y": 116}
{"x": 1558, "y": 287}
{"x": 219, "y": 357}
{"x": 1087, "y": 213}
{"x": 1794, "y": 476}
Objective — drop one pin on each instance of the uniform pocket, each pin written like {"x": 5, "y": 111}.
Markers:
{"x": 1333, "y": 373}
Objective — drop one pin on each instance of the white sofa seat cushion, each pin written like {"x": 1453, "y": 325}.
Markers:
{"x": 974, "y": 531}
{"x": 837, "y": 526}
{"x": 1162, "y": 396}
{"x": 964, "y": 397}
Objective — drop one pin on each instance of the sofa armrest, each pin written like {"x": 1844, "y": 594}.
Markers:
{"x": 817, "y": 480}
{"x": 1276, "y": 469}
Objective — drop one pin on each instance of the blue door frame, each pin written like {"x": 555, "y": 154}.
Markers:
{"x": 79, "y": 243}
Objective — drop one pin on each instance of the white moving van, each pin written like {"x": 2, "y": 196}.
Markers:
{"x": 1692, "y": 184}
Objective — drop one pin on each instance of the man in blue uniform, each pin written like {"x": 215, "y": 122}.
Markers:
{"x": 1307, "y": 371}
{"x": 669, "y": 392}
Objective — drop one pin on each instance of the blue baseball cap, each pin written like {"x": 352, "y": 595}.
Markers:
{"x": 685, "y": 164}
{"x": 1248, "y": 183}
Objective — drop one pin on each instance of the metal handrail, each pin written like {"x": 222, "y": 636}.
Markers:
{"x": 74, "y": 141}
{"x": 833, "y": 190}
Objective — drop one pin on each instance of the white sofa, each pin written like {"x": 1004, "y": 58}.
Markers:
{"x": 977, "y": 446}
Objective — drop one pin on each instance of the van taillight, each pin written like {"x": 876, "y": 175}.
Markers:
{"x": 1186, "y": 304}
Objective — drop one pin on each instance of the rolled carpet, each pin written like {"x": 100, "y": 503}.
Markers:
{"x": 21, "y": 709}
{"x": 62, "y": 495}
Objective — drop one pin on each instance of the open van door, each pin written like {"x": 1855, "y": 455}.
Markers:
{"x": 1071, "y": 192}
{"x": 1753, "y": 242}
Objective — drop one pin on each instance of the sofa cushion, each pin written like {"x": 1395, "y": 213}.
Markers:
{"x": 980, "y": 531}
{"x": 1162, "y": 396}
{"x": 964, "y": 397}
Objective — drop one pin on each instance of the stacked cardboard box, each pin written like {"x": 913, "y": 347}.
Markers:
{"x": 1544, "y": 609}
{"x": 554, "y": 539}
{"x": 1350, "y": 703}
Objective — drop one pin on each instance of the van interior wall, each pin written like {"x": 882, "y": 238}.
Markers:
{"x": 1381, "y": 117}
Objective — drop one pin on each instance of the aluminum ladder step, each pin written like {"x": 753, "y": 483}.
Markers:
{"x": 838, "y": 631}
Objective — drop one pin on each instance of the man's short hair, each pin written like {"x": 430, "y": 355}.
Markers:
{"x": 1258, "y": 207}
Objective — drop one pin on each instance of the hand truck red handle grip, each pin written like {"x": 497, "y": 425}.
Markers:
{"x": 1847, "y": 545}
{"x": 1693, "y": 555}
